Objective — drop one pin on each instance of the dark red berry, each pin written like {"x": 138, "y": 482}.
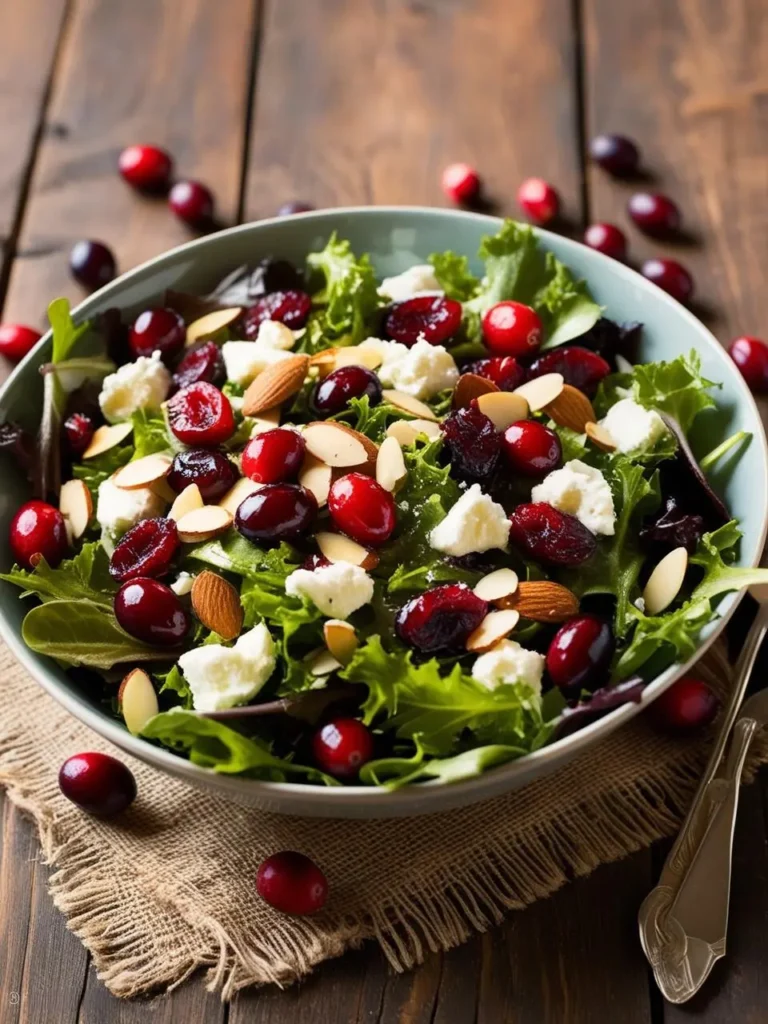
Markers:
{"x": 210, "y": 469}
{"x": 78, "y": 430}
{"x": 531, "y": 449}
{"x": 512, "y": 329}
{"x": 549, "y": 535}
{"x": 433, "y": 318}
{"x": 274, "y": 456}
{"x": 158, "y": 330}
{"x": 333, "y": 394}
{"x": 293, "y": 207}
{"x": 580, "y": 653}
{"x": 461, "y": 183}
{"x": 671, "y": 276}
{"x": 538, "y": 200}
{"x": 273, "y": 275}
{"x": 151, "y": 612}
{"x": 615, "y": 153}
{"x": 97, "y": 783}
{"x": 341, "y": 747}
{"x": 92, "y": 264}
{"x": 147, "y": 549}
{"x": 751, "y": 356}
{"x": 473, "y": 443}
{"x": 291, "y": 308}
{"x": 362, "y": 509}
{"x": 312, "y": 562}
{"x": 292, "y": 883}
{"x": 201, "y": 415}
{"x": 440, "y": 619}
{"x": 201, "y": 362}
{"x": 685, "y": 707}
{"x": 505, "y": 371}
{"x": 38, "y": 530}
{"x": 147, "y": 168}
{"x": 276, "y": 512}
{"x": 607, "y": 239}
{"x": 16, "y": 341}
{"x": 654, "y": 214}
{"x": 580, "y": 367}
{"x": 192, "y": 203}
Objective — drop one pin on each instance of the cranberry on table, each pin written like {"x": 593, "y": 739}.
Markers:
{"x": 362, "y": 509}
{"x": 148, "y": 168}
{"x": 192, "y": 202}
{"x": 78, "y": 430}
{"x": 274, "y": 456}
{"x": 150, "y": 611}
{"x": 607, "y": 239}
{"x": 653, "y": 213}
{"x": 202, "y": 362}
{"x": 92, "y": 264}
{"x": 201, "y": 415}
{"x": 16, "y": 341}
{"x": 580, "y": 654}
{"x": 38, "y": 530}
{"x": 147, "y": 549}
{"x": 291, "y": 308}
{"x": 751, "y": 356}
{"x": 473, "y": 443}
{"x": 294, "y": 206}
{"x": 671, "y": 276}
{"x": 276, "y": 512}
{"x": 615, "y": 153}
{"x": 432, "y": 317}
{"x": 341, "y": 747}
{"x": 210, "y": 469}
{"x": 538, "y": 200}
{"x": 97, "y": 783}
{"x": 531, "y": 449}
{"x": 158, "y": 330}
{"x": 292, "y": 883}
{"x": 461, "y": 183}
{"x": 505, "y": 371}
{"x": 580, "y": 367}
{"x": 545, "y": 533}
{"x": 440, "y": 619}
{"x": 333, "y": 394}
{"x": 685, "y": 707}
{"x": 512, "y": 329}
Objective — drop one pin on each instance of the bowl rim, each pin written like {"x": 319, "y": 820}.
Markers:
{"x": 325, "y": 798}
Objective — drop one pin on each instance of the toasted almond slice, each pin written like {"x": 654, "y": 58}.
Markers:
{"x": 542, "y": 601}
{"x": 237, "y": 494}
{"x": 390, "y": 465}
{"x": 209, "y": 325}
{"x": 203, "y": 523}
{"x": 665, "y": 581}
{"x": 76, "y": 505}
{"x": 338, "y": 548}
{"x": 623, "y": 365}
{"x": 469, "y": 386}
{"x": 406, "y": 431}
{"x": 137, "y": 700}
{"x": 408, "y": 404}
{"x": 267, "y": 420}
{"x": 143, "y": 472}
{"x": 275, "y": 385}
{"x": 216, "y": 603}
{"x": 571, "y": 409}
{"x": 322, "y": 662}
{"x": 189, "y": 499}
{"x": 356, "y": 355}
{"x": 598, "y": 435}
{"x": 316, "y": 476}
{"x": 494, "y": 628}
{"x": 325, "y": 358}
{"x": 105, "y": 438}
{"x": 341, "y": 639}
{"x": 334, "y": 445}
{"x": 541, "y": 390}
{"x": 503, "y": 408}
{"x": 163, "y": 490}
{"x": 496, "y": 585}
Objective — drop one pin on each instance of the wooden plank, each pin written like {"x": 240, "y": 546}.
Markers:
{"x": 18, "y": 849}
{"x": 190, "y": 1004}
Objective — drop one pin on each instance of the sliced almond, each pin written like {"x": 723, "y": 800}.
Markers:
{"x": 143, "y": 472}
{"x": 406, "y": 431}
{"x": 542, "y": 601}
{"x": 623, "y": 365}
{"x": 76, "y": 505}
{"x": 337, "y": 445}
{"x": 189, "y": 499}
{"x": 322, "y": 662}
{"x": 316, "y": 477}
{"x": 105, "y": 438}
{"x": 497, "y": 585}
{"x": 137, "y": 700}
{"x": 216, "y": 603}
{"x": 390, "y": 465}
{"x": 356, "y": 355}
{"x": 209, "y": 325}
{"x": 540, "y": 391}
{"x": 163, "y": 490}
{"x": 341, "y": 640}
{"x": 275, "y": 385}
{"x": 598, "y": 435}
{"x": 665, "y": 581}
{"x": 325, "y": 358}
{"x": 338, "y": 548}
{"x": 503, "y": 408}
{"x": 408, "y": 404}
{"x": 469, "y": 386}
{"x": 237, "y": 494}
{"x": 267, "y": 420}
{"x": 203, "y": 524}
{"x": 494, "y": 628}
{"x": 571, "y": 409}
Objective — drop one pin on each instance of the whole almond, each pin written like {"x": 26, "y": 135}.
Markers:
{"x": 275, "y": 385}
{"x": 542, "y": 601}
{"x": 216, "y": 603}
{"x": 571, "y": 409}
{"x": 469, "y": 386}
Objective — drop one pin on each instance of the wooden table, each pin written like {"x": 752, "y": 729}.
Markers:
{"x": 342, "y": 102}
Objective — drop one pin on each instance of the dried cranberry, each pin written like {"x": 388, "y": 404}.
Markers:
{"x": 615, "y": 153}
{"x": 276, "y": 512}
{"x": 333, "y": 394}
{"x": 687, "y": 706}
{"x": 16, "y": 341}
{"x": 158, "y": 330}
{"x": 672, "y": 529}
{"x": 751, "y": 356}
{"x": 97, "y": 783}
{"x": 549, "y": 535}
{"x": 505, "y": 371}
{"x": 461, "y": 183}
{"x": 607, "y": 239}
{"x": 580, "y": 654}
{"x": 512, "y": 329}
{"x": 38, "y": 530}
{"x": 201, "y": 362}
{"x": 434, "y": 318}
{"x": 531, "y": 448}
{"x": 292, "y": 883}
{"x": 148, "y": 168}
{"x": 78, "y": 430}
{"x": 146, "y": 550}
{"x": 654, "y": 214}
{"x": 362, "y": 509}
{"x": 274, "y": 456}
{"x": 273, "y": 275}
{"x": 201, "y": 415}
{"x": 210, "y": 469}
{"x": 671, "y": 276}
{"x": 151, "y": 612}
{"x": 341, "y": 747}
{"x": 473, "y": 443}
{"x": 538, "y": 200}
{"x": 192, "y": 203}
{"x": 92, "y": 264}
{"x": 580, "y": 368}
{"x": 291, "y": 308}
{"x": 440, "y": 619}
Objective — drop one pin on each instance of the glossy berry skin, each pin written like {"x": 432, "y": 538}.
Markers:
{"x": 292, "y": 883}
{"x": 505, "y": 371}
{"x": 685, "y": 707}
{"x": 440, "y": 619}
{"x": 201, "y": 362}
{"x": 276, "y": 512}
{"x": 333, "y": 394}
{"x": 38, "y": 529}
{"x": 341, "y": 747}
{"x": 549, "y": 535}
{"x": 433, "y": 317}
{"x": 512, "y": 329}
{"x": 580, "y": 654}
{"x": 291, "y": 308}
{"x": 538, "y": 200}
{"x": 147, "y": 549}
{"x": 97, "y": 783}
{"x": 615, "y": 153}
{"x": 92, "y": 264}
{"x": 274, "y": 456}
{"x": 607, "y": 239}
{"x": 655, "y": 214}
{"x": 157, "y": 330}
{"x": 361, "y": 508}
{"x": 580, "y": 367}
{"x": 473, "y": 443}
{"x": 201, "y": 415}
{"x": 78, "y": 430}
{"x": 192, "y": 203}
{"x": 293, "y": 207}
{"x": 16, "y": 341}
{"x": 461, "y": 183}
{"x": 210, "y": 469}
{"x": 151, "y": 612}
{"x": 751, "y": 356}
{"x": 531, "y": 449}
{"x": 147, "y": 168}
{"x": 671, "y": 276}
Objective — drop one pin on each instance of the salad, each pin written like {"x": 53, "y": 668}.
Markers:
{"x": 319, "y": 527}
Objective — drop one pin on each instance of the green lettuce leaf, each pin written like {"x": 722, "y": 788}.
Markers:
{"x": 395, "y": 772}
{"x": 95, "y": 471}
{"x": 150, "y": 433}
{"x": 173, "y": 681}
{"x": 82, "y": 578}
{"x": 665, "y": 638}
{"x": 719, "y": 577}
{"x": 65, "y": 334}
{"x": 233, "y": 553}
{"x": 454, "y": 276}
{"x": 348, "y": 297}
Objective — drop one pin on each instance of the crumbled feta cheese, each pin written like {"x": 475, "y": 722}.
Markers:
{"x": 632, "y": 427}
{"x": 245, "y": 360}
{"x": 142, "y": 384}
{"x": 475, "y": 523}
{"x": 117, "y": 509}
{"x": 182, "y": 585}
{"x": 223, "y": 677}
{"x": 337, "y": 589}
{"x": 413, "y": 281}
{"x": 581, "y": 491}
{"x": 508, "y": 662}
{"x": 640, "y": 605}
{"x": 273, "y": 334}
{"x": 421, "y": 370}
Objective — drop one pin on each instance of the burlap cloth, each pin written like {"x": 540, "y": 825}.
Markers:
{"x": 169, "y": 888}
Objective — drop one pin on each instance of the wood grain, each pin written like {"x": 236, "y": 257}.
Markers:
{"x": 18, "y": 848}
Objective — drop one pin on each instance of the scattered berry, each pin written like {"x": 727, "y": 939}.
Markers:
{"x": 92, "y": 264}
{"x": 431, "y": 317}
{"x": 531, "y": 449}
{"x": 292, "y": 883}
{"x": 150, "y": 611}
{"x": 157, "y": 330}
{"x": 580, "y": 367}
{"x": 97, "y": 783}
{"x": 274, "y": 456}
{"x": 362, "y": 509}
{"x": 538, "y": 200}
{"x": 276, "y": 512}
{"x": 580, "y": 654}
{"x": 333, "y": 394}
{"x": 201, "y": 415}
{"x": 549, "y": 535}
{"x": 751, "y": 357}
{"x": 615, "y": 153}
{"x": 291, "y": 308}
{"x": 16, "y": 341}
{"x": 201, "y": 362}
{"x": 505, "y": 371}
{"x": 512, "y": 329}
{"x": 147, "y": 168}
{"x": 147, "y": 549}
{"x": 607, "y": 239}
{"x": 210, "y": 469}
{"x": 342, "y": 747}
{"x": 78, "y": 430}
{"x": 192, "y": 203}
{"x": 440, "y": 619}
{"x": 38, "y": 530}
{"x": 685, "y": 707}
{"x": 671, "y": 276}
{"x": 473, "y": 443}
{"x": 461, "y": 183}
{"x": 654, "y": 214}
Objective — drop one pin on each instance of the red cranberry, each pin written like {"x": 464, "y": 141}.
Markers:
{"x": 751, "y": 357}
{"x": 146, "y": 167}
{"x": 461, "y": 183}
{"x": 333, "y": 394}
{"x": 16, "y": 340}
{"x": 291, "y": 308}
{"x": 147, "y": 549}
{"x": 615, "y": 153}
{"x": 440, "y": 619}
{"x": 653, "y": 213}
{"x": 293, "y": 207}
{"x": 201, "y": 415}
{"x": 201, "y": 362}
{"x": 276, "y": 512}
{"x": 434, "y": 318}
{"x": 672, "y": 528}
{"x": 580, "y": 367}
{"x": 151, "y": 612}
{"x": 685, "y": 707}
{"x": 273, "y": 275}
{"x": 312, "y": 562}
{"x": 548, "y": 535}
{"x": 210, "y": 469}
{"x": 531, "y": 448}
{"x": 78, "y": 430}
{"x": 274, "y": 456}
{"x": 607, "y": 239}
{"x": 292, "y": 883}
{"x": 362, "y": 509}
{"x": 505, "y": 371}
{"x": 192, "y": 203}
{"x": 580, "y": 654}
{"x": 538, "y": 200}
{"x": 342, "y": 747}
{"x": 158, "y": 330}
{"x": 97, "y": 783}
{"x": 38, "y": 531}
{"x": 92, "y": 264}
{"x": 512, "y": 329}
{"x": 671, "y": 276}
{"x": 473, "y": 443}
